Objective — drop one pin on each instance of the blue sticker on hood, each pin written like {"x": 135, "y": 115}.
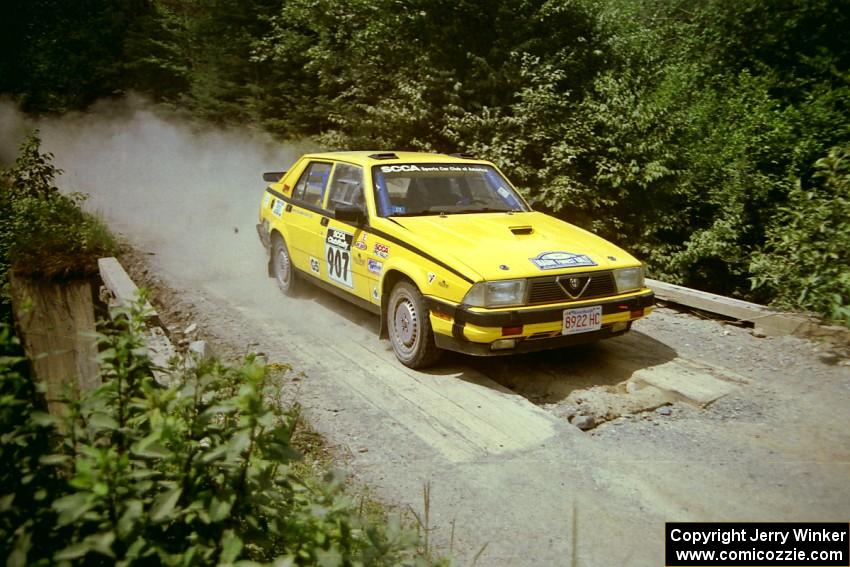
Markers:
{"x": 556, "y": 260}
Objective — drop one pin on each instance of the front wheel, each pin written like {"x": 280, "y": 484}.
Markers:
{"x": 282, "y": 268}
{"x": 410, "y": 327}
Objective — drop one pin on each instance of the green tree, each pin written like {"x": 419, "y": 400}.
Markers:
{"x": 806, "y": 261}
{"x": 60, "y": 56}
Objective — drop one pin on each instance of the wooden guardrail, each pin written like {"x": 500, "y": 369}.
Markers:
{"x": 765, "y": 321}
{"x": 121, "y": 286}
{"x": 123, "y": 292}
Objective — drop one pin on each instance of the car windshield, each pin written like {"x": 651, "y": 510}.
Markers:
{"x": 442, "y": 188}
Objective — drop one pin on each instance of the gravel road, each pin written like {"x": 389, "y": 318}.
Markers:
{"x": 507, "y": 470}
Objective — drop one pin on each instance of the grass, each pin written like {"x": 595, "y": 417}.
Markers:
{"x": 50, "y": 237}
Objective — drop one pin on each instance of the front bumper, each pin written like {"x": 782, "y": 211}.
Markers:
{"x": 527, "y": 345}
{"x": 462, "y": 329}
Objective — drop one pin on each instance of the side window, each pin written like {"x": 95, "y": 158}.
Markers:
{"x": 346, "y": 187}
{"x": 310, "y": 188}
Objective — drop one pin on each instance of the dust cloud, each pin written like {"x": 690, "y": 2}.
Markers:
{"x": 189, "y": 192}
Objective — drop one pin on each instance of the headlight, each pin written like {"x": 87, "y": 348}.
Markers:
{"x": 496, "y": 294}
{"x": 629, "y": 279}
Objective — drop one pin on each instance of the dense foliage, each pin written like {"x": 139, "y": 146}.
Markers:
{"x": 685, "y": 131}
{"x": 807, "y": 255}
{"x": 44, "y": 233}
{"x": 200, "y": 472}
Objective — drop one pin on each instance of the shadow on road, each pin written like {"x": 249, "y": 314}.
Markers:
{"x": 550, "y": 376}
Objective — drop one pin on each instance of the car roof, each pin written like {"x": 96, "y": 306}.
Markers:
{"x": 375, "y": 157}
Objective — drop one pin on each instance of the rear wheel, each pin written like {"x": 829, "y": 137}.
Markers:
{"x": 409, "y": 327}
{"x": 282, "y": 268}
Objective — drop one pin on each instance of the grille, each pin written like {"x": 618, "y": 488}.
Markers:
{"x": 548, "y": 290}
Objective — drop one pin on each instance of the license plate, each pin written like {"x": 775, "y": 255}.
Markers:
{"x": 582, "y": 320}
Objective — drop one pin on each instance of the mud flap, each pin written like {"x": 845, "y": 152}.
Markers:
{"x": 265, "y": 239}
{"x": 263, "y": 233}
{"x": 383, "y": 331}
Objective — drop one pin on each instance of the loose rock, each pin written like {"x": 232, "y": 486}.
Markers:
{"x": 584, "y": 422}
{"x": 200, "y": 349}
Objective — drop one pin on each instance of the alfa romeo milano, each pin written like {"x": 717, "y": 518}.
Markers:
{"x": 447, "y": 252}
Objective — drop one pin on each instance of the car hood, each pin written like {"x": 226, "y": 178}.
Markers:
{"x": 528, "y": 244}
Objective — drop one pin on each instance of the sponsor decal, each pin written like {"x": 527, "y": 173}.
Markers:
{"x": 375, "y": 295}
{"x": 361, "y": 242}
{"x": 381, "y": 250}
{"x": 339, "y": 239}
{"x": 277, "y": 207}
{"x": 338, "y": 256}
{"x": 556, "y": 260}
{"x": 431, "y": 276}
{"x": 398, "y": 168}
{"x": 314, "y": 265}
{"x": 398, "y": 210}
{"x": 375, "y": 267}
{"x": 431, "y": 168}
{"x": 266, "y": 198}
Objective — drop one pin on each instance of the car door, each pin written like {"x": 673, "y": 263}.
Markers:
{"x": 307, "y": 218}
{"x": 346, "y": 244}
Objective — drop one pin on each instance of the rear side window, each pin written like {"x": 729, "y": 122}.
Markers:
{"x": 310, "y": 188}
{"x": 346, "y": 187}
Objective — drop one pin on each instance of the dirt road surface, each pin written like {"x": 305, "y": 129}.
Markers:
{"x": 507, "y": 470}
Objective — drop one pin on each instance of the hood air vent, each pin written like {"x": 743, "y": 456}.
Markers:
{"x": 521, "y": 230}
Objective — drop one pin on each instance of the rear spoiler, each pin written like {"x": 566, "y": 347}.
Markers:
{"x": 273, "y": 176}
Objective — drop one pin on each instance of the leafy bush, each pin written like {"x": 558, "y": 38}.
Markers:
{"x": 26, "y": 436}
{"x": 806, "y": 262}
{"x": 44, "y": 233}
{"x": 196, "y": 473}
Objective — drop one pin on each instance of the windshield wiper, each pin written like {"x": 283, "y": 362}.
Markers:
{"x": 481, "y": 210}
{"x": 416, "y": 214}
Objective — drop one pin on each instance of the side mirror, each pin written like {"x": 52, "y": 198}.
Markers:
{"x": 351, "y": 214}
{"x": 273, "y": 176}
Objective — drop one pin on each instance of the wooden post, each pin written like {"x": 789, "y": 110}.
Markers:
{"x": 57, "y": 331}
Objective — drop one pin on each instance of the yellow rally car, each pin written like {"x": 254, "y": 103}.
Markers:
{"x": 447, "y": 252}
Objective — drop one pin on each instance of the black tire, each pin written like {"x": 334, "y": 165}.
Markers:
{"x": 282, "y": 268}
{"x": 409, "y": 327}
